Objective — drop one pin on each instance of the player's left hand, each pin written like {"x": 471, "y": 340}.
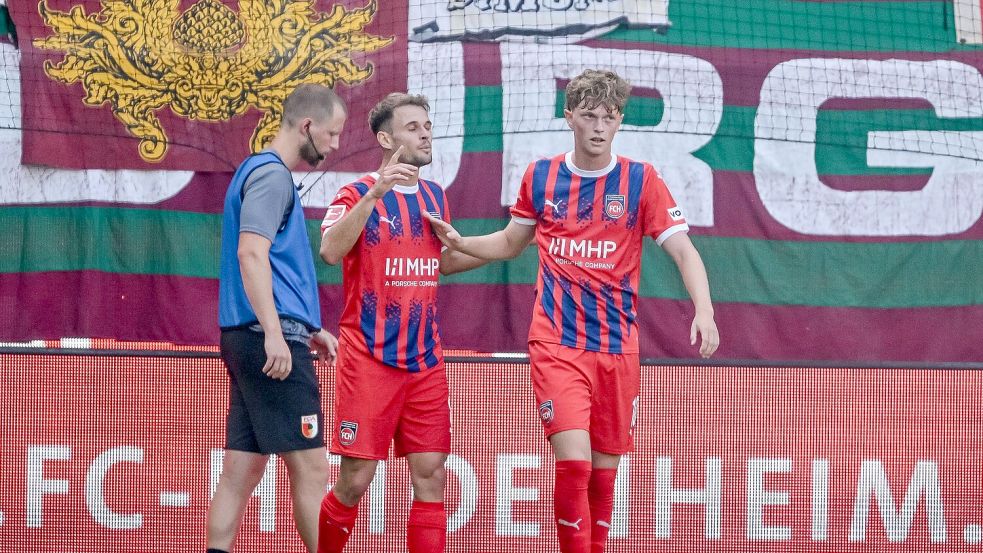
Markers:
{"x": 447, "y": 234}
{"x": 704, "y": 325}
{"x": 326, "y": 346}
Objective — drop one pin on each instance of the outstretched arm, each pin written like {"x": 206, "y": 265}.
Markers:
{"x": 680, "y": 248}
{"x": 504, "y": 244}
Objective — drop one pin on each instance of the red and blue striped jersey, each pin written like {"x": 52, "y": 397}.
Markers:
{"x": 589, "y": 230}
{"x": 390, "y": 275}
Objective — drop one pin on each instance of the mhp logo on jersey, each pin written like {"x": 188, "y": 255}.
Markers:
{"x": 308, "y": 426}
{"x": 348, "y": 432}
{"x": 614, "y": 205}
{"x": 546, "y": 411}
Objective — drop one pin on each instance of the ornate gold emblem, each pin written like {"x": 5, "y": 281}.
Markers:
{"x": 207, "y": 63}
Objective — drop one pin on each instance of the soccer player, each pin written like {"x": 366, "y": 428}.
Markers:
{"x": 270, "y": 317}
{"x": 588, "y": 211}
{"x": 391, "y": 385}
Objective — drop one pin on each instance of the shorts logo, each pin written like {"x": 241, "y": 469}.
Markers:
{"x": 348, "y": 432}
{"x": 675, "y": 213}
{"x": 614, "y": 205}
{"x": 308, "y": 426}
{"x": 333, "y": 215}
{"x": 546, "y": 411}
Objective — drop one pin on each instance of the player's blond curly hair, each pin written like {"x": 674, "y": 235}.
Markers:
{"x": 598, "y": 87}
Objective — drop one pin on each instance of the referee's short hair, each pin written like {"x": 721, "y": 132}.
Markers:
{"x": 311, "y": 100}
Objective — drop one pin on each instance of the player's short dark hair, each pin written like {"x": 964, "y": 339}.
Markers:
{"x": 311, "y": 100}
{"x": 598, "y": 87}
{"x": 381, "y": 116}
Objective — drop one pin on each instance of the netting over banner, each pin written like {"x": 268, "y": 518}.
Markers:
{"x": 828, "y": 155}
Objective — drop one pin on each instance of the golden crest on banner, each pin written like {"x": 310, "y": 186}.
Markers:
{"x": 206, "y": 63}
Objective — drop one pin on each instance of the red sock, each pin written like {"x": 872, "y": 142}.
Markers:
{"x": 573, "y": 522}
{"x": 600, "y": 494}
{"x": 426, "y": 530}
{"x": 335, "y": 524}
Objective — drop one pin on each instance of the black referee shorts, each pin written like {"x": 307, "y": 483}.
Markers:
{"x": 268, "y": 415}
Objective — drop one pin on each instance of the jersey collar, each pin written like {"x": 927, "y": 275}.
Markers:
{"x": 401, "y": 188}
{"x": 590, "y": 174}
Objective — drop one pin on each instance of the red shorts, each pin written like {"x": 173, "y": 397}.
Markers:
{"x": 585, "y": 390}
{"x": 376, "y": 405}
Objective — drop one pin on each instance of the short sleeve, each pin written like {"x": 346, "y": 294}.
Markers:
{"x": 344, "y": 200}
{"x": 266, "y": 196}
{"x": 523, "y": 211}
{"x": 661, "y": 217}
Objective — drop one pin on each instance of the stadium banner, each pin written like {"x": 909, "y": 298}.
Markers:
{"x": 488, "y": 19}
{"x": 122, "y": 453}
{"x": 828, "y": 159}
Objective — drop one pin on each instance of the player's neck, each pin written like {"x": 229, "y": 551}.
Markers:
{"x": 591, "y": 162}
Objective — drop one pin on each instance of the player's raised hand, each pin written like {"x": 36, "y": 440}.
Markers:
{"x": 704, "y": 325}
{"x": 392, "y": 174}
{"x": 447, "y": 234}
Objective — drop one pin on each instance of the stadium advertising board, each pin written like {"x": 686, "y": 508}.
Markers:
{"x": 122, "y": 453}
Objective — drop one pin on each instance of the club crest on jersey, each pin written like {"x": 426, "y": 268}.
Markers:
{"x": 546, "y": 411}
{"x": 308, "y": 426}
{"x": 348, "y": 432}
{"x": 333, "y": 215}
{"x": 614, "y": 205}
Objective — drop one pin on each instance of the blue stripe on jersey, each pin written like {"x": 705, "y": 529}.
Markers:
{"x": 413, "y": 336}
{"x": 395, "y": 224}
{"x": 568, "y": 314}
{"x": 438, "y": 193}
{"x": 362, "y": 188}
{"x": 612, "y": 187}
{"x": 592, "y": 326}
{"x": 626, "y": 305}
{"x": 367, "y": 319}
{"x": 416, "y": 218}
{"x": 585, "y": 200}
{"x": 429, "y": 325}
{"x": 613, "y": 317}
{"x": 561, "y": 195}
{"x": 539, "y": 175}
{"x": 394, "y": 321}
{"x": 546, "y": 301}
{"x": 636, "y": 176}
{"x": 429, "y": 203}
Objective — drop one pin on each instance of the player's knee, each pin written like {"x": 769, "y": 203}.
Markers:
{"x": 352, "y": 484}
{"x": 431, "y": 476}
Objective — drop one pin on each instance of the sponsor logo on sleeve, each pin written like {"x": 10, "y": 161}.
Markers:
{"x": 333, "y": 215}
{"x": 675, "y": 213}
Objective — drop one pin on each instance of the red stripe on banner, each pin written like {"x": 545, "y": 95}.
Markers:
{"x": 936, "y": 334}
{"x": 94, "y": 304}
{"x": 806, "y": 333}
{"x": 739, "y": 211}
